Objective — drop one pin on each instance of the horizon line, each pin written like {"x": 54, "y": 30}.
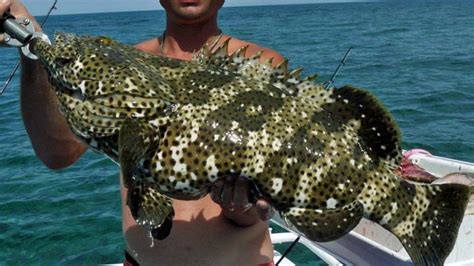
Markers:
{"x": 225, "y": 6}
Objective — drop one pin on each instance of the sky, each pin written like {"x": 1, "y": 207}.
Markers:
{"x": 41, "y": 7}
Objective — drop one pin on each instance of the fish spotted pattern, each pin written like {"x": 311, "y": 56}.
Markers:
{"x": 323, "y": 158}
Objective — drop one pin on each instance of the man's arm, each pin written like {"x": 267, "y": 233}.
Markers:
{"x": 54, "y": 143}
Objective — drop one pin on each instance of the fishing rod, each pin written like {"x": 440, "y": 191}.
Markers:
{"x": 22, "y": 35}
{"x": 339, "y": 67}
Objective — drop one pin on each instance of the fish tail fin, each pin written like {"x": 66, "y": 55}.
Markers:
{"x": 428, "y": 220}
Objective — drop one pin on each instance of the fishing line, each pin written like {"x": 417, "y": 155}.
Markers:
{"x": 339, "y": 67}
{"x": 15, "y": 68}
{"x": 288, "y": 250}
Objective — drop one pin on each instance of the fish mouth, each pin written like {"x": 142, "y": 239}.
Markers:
{"x": 60, "y": 61}
{"x": 75, "y": 94}
{"x": 63, "y": 89}
{"x": 48, "y": 58}
{"x": 42, "y": 49}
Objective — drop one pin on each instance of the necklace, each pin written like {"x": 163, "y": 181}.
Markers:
{"x": 213, "y": 45}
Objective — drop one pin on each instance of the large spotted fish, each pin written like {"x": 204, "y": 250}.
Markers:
{"x": 323, "y": 158}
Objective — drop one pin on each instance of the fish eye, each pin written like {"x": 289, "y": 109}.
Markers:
{"x": 63, "y": 61}
{"x": 105, "y": 40}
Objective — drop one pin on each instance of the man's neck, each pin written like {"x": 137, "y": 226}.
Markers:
{"x": 182, "y": 40}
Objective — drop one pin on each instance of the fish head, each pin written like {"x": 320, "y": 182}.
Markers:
{"x": 89, "y": 76}
{"x": 82, "y": 71}
{"x": 99, "y": 83}
{"x": 80, "y": 66}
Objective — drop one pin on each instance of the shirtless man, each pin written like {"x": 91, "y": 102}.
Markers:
{"x": 221, "y": 229}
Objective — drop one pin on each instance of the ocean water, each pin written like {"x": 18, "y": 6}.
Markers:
{"x": 417, "y": 57}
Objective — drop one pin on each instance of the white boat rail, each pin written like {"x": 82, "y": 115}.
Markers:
{"x": 440, "y": 166}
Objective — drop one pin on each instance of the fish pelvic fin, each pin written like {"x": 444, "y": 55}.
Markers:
{"x": 148, "y": 206}
{"x": 324, "y": 225}
{"x": 426, "y": 219}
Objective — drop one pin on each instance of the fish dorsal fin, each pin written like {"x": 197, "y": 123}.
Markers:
{"x": 239, "y": 55}
{"x": 308, "y": 88}
{"x": 253, "y": 68}
{"x": 379, "y": 135}
{"x": 202, "y": 55}
{"x": 268, "y": 62}
{"x": 221, "y": 53}
{"x": 281, "y": 69}
{"x": 295, "y": 75}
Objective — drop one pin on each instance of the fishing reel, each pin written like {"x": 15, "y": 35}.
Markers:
{"x": 19, "y": 32}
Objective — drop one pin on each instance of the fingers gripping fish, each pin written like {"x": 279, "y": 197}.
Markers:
{"x": 323, "y": 158}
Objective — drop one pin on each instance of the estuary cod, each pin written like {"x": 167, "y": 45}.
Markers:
{"x": 323, "y": 158}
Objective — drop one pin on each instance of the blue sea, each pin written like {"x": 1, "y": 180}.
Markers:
{"x": 416, "y": 56}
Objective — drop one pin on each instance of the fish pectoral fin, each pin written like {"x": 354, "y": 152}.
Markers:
{"x": 150, "y": 208}
{"x": 328, "y": 224}
{"x": 133, "y": 143}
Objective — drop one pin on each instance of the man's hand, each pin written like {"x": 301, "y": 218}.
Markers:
{"x": 233, "y": 194}
{"x": 18, "y": 10}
